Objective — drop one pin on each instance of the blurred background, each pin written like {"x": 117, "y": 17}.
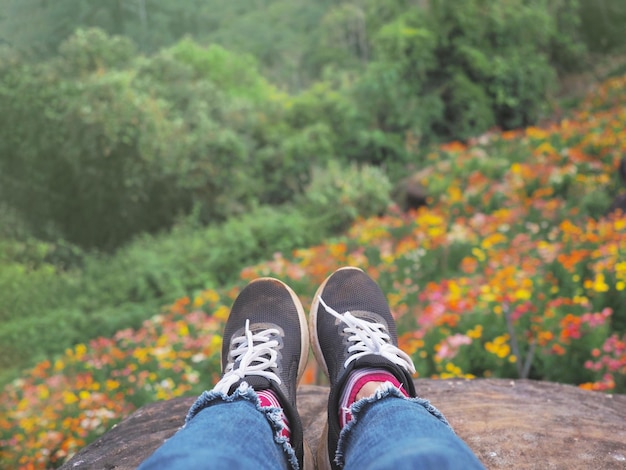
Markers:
{"x": 151, "y": 150}
{"x": 129, "y": 118}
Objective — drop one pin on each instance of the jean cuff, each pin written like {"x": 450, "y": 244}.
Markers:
{"x": 246, "y": 392}
{"x": 384, "y": 391}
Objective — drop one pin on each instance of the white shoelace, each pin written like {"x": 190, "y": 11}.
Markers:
{"x": 256, "y": 354}
{"x": 370, "y": 338}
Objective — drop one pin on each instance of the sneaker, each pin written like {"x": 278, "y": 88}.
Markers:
{"x": 266, "y": 344}
{"x": 352, "y": 328}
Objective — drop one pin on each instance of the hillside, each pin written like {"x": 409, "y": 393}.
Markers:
{"x": 514, "y": 270}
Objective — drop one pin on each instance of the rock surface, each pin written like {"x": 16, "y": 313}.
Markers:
{"x": 518, "y": 424}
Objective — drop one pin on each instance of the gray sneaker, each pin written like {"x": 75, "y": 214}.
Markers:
{"x": 266, "y": 344}
{"x": 351, "y": 328}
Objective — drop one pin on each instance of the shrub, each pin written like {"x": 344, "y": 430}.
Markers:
{"x": 602, "y": 24}
{"x": 338, "y": 195}
{"x": 450, "y": 70}
{"x": 44, "y": 310}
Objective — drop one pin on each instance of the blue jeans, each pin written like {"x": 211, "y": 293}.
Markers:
{"x": 387, "y": 431}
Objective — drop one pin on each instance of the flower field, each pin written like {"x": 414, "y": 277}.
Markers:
{"x": 512, "y": 271}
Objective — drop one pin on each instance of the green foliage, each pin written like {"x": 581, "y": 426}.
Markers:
{"x": 568, "y": 47}
{"x": 236, "y": 75}
{"x": 602, "y": 24}
{"x": 595, "y": 203}
{"x": 118, "y": 151}
{"x": 41, "y": 26}
{"x": 456, "y": 69}
{"x": 93, "y": 50}
{"x": 468, "y": 111}
{"x": 26, "y": 291}
{"x": 284, "y": 36}
{"x": 338, "y": 195}
{"x": 45, "y": 310}
{"x": 344, "y": 36}
{"x": 41, "y": 337}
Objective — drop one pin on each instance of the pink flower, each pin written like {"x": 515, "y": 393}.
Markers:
{"x": 449, "y": 347}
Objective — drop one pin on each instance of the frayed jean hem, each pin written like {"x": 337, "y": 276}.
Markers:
{"x": 245, "y": 392}
{"x": 384, "y": 391}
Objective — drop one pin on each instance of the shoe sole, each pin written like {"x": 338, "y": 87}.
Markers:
{"x": 323, "y": 459}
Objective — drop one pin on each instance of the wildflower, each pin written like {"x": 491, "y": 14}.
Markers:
{"x": 475, "y": 332}
{"x": 499, "y": 346}
{"x": 599, "y": 284}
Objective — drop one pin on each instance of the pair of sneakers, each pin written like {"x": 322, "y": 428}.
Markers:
{"x": 266, "y": 344}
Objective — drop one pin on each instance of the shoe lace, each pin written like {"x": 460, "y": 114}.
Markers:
{"x": 254, "y": 354}
{"x": 369, "y": 338}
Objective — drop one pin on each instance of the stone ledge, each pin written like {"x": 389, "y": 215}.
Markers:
{"x": 519, "y": 424}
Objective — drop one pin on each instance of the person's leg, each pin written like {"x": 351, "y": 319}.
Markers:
{"x": 389, "y": 430}
{"x": 355, "y": 341}
{"x": 249, "y": 419}
{"x": 214, "y": 438}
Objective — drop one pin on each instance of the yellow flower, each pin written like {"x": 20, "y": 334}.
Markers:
{"x": 620, "y": 286}
{"x": 455, "y": 290}
{"x": 599, "y": 285}
{"x": 545, "y": 147}
{"x": 536, "y": 133}
{"x": 43, "y": 392}
{"x": 216, "y": 343}
{"x": 455, "y": 194}
{"x": 492, "y": 240}
{"x": 211, "y": 295}
{"x": 580, "y": 300}
{"x": 112, "y": 384}
{"x": 69, "y": 397}
{"x": 428, "y": 218}
{"x": 221, "y": 313}
{"x": 183, "y": 329}
{"x": 499, "y": 346}
{"x": 434, "y": 232}
{"x": 394, "y": 299}
{"x": 475, "y": 332}
{"x": 522, "y": 294}
{"x": 387, "y": 258}
{"x": 479, "y": 254}
{"x": 141, "y": 354}
{"x": 80, "y": 349}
